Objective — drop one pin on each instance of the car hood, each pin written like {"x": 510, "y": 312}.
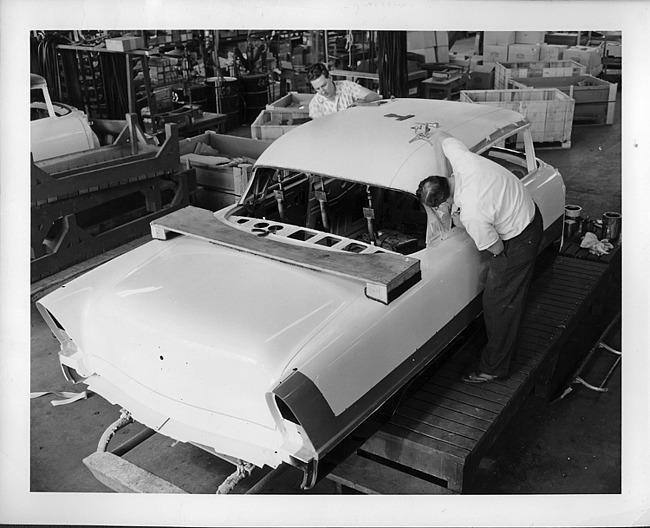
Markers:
{"x": 228, "y": 320}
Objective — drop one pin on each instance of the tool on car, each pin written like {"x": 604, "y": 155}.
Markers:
{"x": 369, "y": 215}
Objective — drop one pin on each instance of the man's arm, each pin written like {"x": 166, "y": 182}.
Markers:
{"x": 368, "y": 96}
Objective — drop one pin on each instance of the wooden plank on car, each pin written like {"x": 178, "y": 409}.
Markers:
{"x": 386, "y": 275}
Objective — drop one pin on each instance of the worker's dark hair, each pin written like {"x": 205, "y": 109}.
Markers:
{"x": 316, "y": 70}
{"x": 433, "y": 190}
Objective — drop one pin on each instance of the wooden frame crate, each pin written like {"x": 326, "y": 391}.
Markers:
{"x": 549, "y": 111}
{"x": 221, "y": 184}
{"x": 293, "y": 102}
{"x": 504, "y": 71}
{"x": 595, "y": 98}
{"x": 271, "y": 124}
{"x": 86, "y": 203}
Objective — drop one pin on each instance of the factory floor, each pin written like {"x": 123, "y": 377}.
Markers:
{"x": 570, "y": 446}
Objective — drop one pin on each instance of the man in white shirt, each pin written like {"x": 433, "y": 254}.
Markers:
{"x": 497, "y": 211}
{"x": 332, "y": 96}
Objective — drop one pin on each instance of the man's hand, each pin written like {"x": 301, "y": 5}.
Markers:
{"x": 496, "y": 248}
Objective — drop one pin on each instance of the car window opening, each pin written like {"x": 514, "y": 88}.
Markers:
{"x": 512, "y": 160}
{"x": 389, "y": 219}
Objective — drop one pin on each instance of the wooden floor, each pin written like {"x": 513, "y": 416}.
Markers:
{"x": 436, "y": 438}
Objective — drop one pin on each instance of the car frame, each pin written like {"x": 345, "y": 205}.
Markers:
{"x": 56, "y": 129}
{"x": 267, "y": 331}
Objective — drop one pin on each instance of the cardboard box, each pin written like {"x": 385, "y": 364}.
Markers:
{"x": 124, "y": 43}
{"x": 430, "y": 40}
{"x": 415, "y": 40}
{"x": 496, "y": 53}
{"x": 498, "y": 38}
{"x": 425, "y": 55}
{"x": 551, "y": 52}
{"x": 529, "y": 37}
{"x": 442, "y": 54}
{"x": 523, "y": 52}
{"x": 585, "y": 55}
{"x": 442, "y": 38}
{"x": 481, "y": 63}
{"x": 481, "y": 80}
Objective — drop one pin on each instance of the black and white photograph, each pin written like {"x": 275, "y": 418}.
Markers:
{"x": 350, "y": 264}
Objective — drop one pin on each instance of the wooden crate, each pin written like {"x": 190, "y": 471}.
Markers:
{"x": 549, "y": 111}
{"x": 211, "y": 172}
{"x": 504, "y": 71}
{"x": 294, "y": 102}
{"x": 271, "y": 124}
{"x": 595, "y": 98}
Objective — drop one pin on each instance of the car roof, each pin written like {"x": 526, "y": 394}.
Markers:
{"x": 378, "y": 144}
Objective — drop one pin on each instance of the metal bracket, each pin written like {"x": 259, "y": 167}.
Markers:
{"x": 600, "y": 345}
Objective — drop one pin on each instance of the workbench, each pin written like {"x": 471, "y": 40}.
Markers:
{"x": 444, "y": 88}
{"x": 415, "y": 78}
{"x": 198, "y": 125}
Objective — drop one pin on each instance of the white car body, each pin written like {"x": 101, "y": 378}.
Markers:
{"x": 253, "y": 344}
{"x": 56, "y": 128}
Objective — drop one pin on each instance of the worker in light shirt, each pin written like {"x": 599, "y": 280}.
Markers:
{"x": 332, "y": 96}
{"x": 498, "y": 213}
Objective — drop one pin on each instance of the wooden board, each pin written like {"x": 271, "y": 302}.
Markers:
{"x": 446, "y": 426}
{"x": 124, "y": 477}
{"x": 372, "y": 478}
{"x": 385, "y": 275}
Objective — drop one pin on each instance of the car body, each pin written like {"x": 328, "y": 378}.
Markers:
{"x": 268, "y": 330}
{"x": 56, "y": 128}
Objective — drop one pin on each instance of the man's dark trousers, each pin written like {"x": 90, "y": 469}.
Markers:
{"x": 504, "y": 297}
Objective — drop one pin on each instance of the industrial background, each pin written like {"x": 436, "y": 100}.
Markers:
{"x": 560, "y": 435}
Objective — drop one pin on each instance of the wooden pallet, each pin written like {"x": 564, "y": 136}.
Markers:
{"x": 446, "y": 426}
{"x": 571, "y": 248}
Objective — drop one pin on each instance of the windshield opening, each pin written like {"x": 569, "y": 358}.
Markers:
{"x": 387, "y": 218}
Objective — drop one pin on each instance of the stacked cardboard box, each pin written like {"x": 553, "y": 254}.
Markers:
{"x": 163, "y": 70}
{"x": 510, "y": 46}
{"x": 523, "y": 52}
{"x": 433, "y": 46}
{"x": 589, "y": 56}
{"x": 551, "y": 52}
{"x": 496, "y": 44}
{"x": 164, "y": 36}
{"x": 124, "y": 43}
